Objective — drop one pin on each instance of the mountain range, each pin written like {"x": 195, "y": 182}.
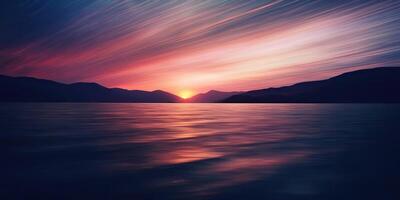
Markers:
{"x": 26, "y": 89}
{"x": 377, "y": 85}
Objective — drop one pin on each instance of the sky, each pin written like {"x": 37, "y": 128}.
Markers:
{"x": 191, "y": 46}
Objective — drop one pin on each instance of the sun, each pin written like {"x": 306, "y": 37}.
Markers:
{"x": 185, "y": 94}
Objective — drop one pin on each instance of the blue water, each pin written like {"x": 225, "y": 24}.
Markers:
{"x": 199, "y": 151}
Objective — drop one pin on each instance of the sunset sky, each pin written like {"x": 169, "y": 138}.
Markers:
{"x": 194, "y": 46}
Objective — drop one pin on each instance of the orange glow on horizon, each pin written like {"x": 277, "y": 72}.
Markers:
{"x": 185, "y": 94}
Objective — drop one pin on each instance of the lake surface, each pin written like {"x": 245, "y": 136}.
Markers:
{"x": 199, "y": 151}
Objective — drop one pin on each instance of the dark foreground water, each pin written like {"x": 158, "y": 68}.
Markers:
{"x": 199, "y": 151}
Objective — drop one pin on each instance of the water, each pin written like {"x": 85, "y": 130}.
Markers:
{"x": 199, "y": 151}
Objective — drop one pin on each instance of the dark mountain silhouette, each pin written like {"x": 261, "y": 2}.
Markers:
{"x": 26, "y": 89}
{"x": 378, "y": 85}
{"x": 211, "y": 96}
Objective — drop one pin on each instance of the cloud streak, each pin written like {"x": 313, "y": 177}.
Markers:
{"x": 197, "y": 45}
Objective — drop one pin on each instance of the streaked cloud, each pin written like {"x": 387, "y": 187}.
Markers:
{"x": 197, "y": 45}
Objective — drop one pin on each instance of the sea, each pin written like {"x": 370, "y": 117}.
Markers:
{"x": 199, "y": 151}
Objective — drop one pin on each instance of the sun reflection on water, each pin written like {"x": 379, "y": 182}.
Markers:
{"x": 231, "y": 146}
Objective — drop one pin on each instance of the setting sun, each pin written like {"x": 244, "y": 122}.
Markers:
{"x": 185, "y": 94}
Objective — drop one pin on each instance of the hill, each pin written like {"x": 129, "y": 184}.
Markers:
{"x": 377, "y": 85}
{"x": 27, "y": 89}
{"x": 211, "y": 96}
